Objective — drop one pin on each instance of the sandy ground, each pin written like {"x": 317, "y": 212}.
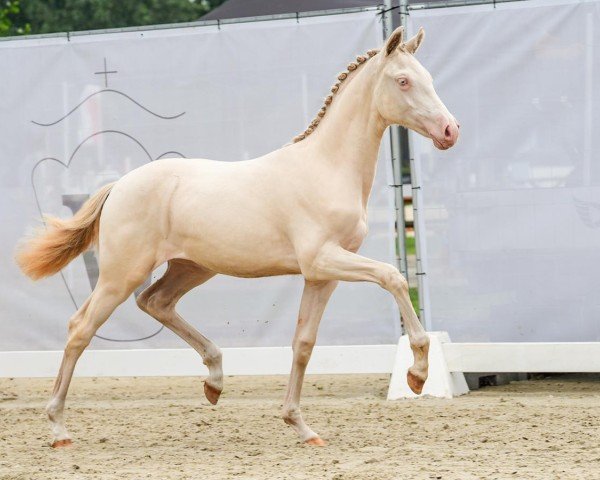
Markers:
{"x": 163, "y": 428}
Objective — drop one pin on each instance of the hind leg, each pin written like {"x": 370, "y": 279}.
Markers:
{"x": 107, "y": 295}
{"x": 159, "y": 301}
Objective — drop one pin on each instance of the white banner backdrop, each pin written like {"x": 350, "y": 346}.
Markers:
{"x": 510, "y": 217}
{"x": 79, "y": 112}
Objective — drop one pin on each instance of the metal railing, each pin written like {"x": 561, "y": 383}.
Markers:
{"x": 200, "y": 23}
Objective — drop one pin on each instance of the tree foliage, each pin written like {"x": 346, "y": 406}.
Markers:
{"x": 49, "y": 16}
{"x": 9, "y": 10}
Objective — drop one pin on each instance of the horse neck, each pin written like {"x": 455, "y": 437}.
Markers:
{"x": 350, "y": 133}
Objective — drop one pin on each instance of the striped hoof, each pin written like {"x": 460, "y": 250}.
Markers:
{"x": 67, "y": 442}
{"x": 212, "y": 394}
{"x": 316, "y": 442}
{"x": 414, "y": 382}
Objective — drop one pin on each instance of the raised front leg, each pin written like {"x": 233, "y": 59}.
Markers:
{"x": 334, "y": 263}
{"x": 314, "y": 300}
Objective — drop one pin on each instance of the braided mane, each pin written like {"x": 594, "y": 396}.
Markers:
{"x": 361, "y": 59}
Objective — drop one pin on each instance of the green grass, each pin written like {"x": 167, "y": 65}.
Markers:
{"x": 410, "y": 246}
{"x": 413, "y": 291}
{"x": 414, "y": 298}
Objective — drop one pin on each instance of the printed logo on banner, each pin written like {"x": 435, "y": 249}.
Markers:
{"x": 61, "y": 186}
{"x": 589, "y": 212}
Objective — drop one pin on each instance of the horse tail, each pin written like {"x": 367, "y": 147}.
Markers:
{"x": 50, "y": 250}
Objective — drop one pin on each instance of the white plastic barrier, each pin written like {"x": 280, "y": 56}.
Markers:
{"x": 441, "y": 382}
{"x": 448, "y": 361}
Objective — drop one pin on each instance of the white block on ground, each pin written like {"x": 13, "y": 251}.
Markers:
{"x": 440, "y": 383}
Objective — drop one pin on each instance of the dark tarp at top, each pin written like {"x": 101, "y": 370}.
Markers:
{"x": 254, "y": 8}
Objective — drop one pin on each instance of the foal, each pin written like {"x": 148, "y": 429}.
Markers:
{"x": 305, "y": 212}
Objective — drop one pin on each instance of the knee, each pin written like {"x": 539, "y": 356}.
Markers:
{"x": 394, "y": 281}
{"x": 79, "y": 339}
{"x": 302, "y": 351}
{"x": 420, "y": 342}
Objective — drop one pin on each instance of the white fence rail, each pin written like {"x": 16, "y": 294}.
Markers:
{"x": 523, "y": 357}
{"x": 187, "y": 362}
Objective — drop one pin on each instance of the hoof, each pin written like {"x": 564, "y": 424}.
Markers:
{"x": 212, "y": 394}
{"x": 67, "y": 442}
{"x": 316, "y": 442}
{"x": 415, "y": 383}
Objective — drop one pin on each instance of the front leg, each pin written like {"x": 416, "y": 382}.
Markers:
{"x": 314, "y": 300}
{"x": 332, "y": 262}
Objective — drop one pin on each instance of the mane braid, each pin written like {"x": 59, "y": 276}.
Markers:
{"x": 361, "y": 59}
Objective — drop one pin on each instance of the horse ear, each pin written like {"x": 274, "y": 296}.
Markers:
{"x": 414, "y": 43}
{"x": 394, "y": 41}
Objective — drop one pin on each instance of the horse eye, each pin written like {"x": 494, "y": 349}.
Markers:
{"x": 403, "y": 82}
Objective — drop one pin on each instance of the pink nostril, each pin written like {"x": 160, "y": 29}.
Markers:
{"x": 448, "y": 133}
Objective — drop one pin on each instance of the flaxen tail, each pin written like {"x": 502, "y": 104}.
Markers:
{"x": 51, "y": 249}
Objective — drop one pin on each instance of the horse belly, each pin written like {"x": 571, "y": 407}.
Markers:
{"x": 241, "y": 257}
{"x": 245, "y": 247}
